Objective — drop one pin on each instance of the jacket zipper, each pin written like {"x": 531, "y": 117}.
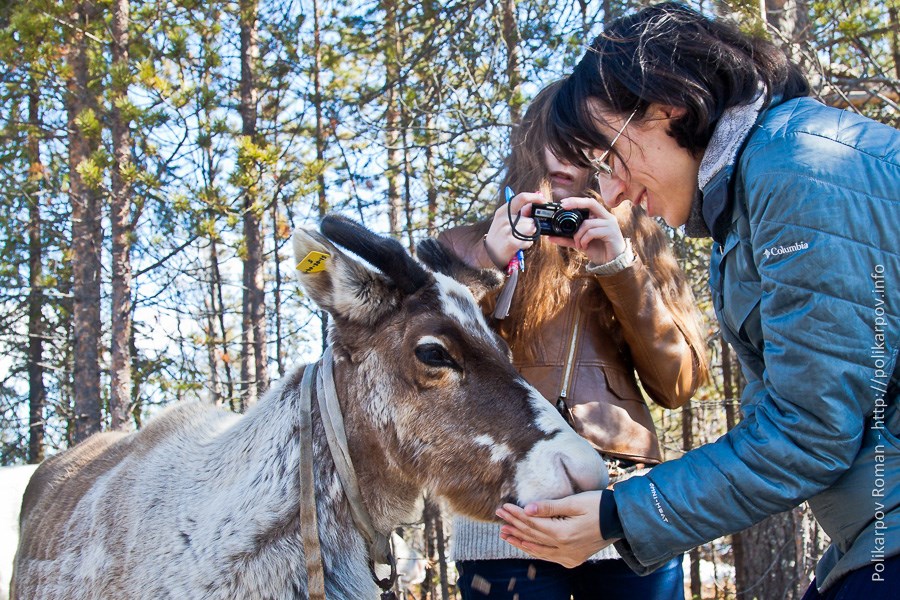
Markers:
{"x": 567, "y": 373}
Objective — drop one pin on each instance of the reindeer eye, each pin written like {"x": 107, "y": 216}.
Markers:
{"x": 435, "y": 355}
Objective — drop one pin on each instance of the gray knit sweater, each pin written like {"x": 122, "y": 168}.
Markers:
{"x": 476, "y": 540}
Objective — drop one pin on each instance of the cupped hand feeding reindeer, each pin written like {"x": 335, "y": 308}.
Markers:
{"x": 296, "y": 498}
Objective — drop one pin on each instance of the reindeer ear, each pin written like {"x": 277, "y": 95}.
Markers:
{"x": 339, "y": 283}
{"x": 438, "y": 258}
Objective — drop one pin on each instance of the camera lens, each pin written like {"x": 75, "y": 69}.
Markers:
{"x": 567, "y": 221}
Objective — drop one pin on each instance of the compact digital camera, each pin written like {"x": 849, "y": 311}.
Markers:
{"x": 553, "y": 219}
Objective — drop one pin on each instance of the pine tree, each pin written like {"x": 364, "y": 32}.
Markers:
{"x": 82, "y": 107}
{"x": 120, "y": 217}
{"x": 254, "y": 370}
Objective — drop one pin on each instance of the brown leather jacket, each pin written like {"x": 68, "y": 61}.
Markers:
{"x": 603, "y": 395}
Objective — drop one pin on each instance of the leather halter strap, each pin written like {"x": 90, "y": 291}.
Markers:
{"x": 378, "y": 543}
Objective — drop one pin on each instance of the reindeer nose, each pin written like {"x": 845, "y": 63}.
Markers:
{"x": 558, "y": 467}
{"x": 585, "y": 473}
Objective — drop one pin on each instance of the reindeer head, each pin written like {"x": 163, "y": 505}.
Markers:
{"x": 428, "y": 389}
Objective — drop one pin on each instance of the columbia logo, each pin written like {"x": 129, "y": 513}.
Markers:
{"x": 779, "y": 250}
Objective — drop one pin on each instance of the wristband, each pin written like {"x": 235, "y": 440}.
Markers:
{"x": 610, "y": 523}
{"x": 619, "y": 263}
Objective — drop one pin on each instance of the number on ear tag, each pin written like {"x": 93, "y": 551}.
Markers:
{"x": 313, "y": 262}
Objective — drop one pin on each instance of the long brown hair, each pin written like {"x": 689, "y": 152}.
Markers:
{"x": 545, "y": 287}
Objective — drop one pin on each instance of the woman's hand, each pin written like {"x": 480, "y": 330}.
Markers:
{"x": 499, "y": 240}
{"x": 565, "y": 531}
{"x": 599, "y": 237}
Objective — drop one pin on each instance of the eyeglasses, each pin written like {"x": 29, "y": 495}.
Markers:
{"x": 603, "y": 168}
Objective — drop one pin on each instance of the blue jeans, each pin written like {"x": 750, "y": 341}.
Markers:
{"x": 540, "y": 580}
{"x": 858, "y": 584}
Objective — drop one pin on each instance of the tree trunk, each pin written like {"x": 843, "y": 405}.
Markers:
{"x": 219, "y": 310}
{"x": 212, "y": 311}
{"x": 428, "y": 512}
{"x": 441, "y": 548}
{"x": 392, "y": 115}
{"x": 320, "y": 120}
{"x": 276, "y": 240}
{"x": 408, "y": 207}
{"x": 610, "y": 11}
{"x": 430, "y": 179}
{"x": 215, "y": 387}
{"x": 320, "y": 141}
{"x": 218, "y": 333}
{"x": 37, "y": 394}
{"x": 87, "y": 235}
{"x": 895, "y": 38}
{"x": 431, "y": 11}
{"x": 513, "y": 76}
{"x": 254, "y": 373}
{"x": 403, "y": 137}
{"x": 770, "y": 566}
{"x": 120, "y": 217}
{"x": 136, "y": 410}
{"x": 585, "y": 21}
{"x": 789, "y": 19}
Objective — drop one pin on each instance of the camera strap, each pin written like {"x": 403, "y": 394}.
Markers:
{"x": 515, "y": 232}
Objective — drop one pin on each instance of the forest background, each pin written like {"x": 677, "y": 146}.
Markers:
{"x": 155, "y": 156}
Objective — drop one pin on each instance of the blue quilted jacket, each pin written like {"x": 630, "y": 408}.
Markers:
{"x": 805, "y": 276}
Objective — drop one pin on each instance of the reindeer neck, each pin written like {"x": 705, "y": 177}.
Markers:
{"x": 266, "y": 445}
{"x": 271, "y": 428}
{"x": 260, "y": 454}
{"x": 388, "y": 493}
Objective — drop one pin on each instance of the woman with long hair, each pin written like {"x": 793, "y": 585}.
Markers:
{"x": 583, "y": 327}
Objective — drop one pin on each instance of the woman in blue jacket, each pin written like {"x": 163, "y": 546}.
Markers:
{"x": 711, "y": 129}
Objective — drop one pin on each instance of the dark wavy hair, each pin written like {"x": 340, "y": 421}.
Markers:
{"x": 672, "y": 55}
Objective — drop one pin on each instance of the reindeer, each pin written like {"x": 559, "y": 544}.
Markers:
{"x": 205, "y": 504}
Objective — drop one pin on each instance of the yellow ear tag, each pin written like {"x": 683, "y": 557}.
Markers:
{"x": 313, "y": 262}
